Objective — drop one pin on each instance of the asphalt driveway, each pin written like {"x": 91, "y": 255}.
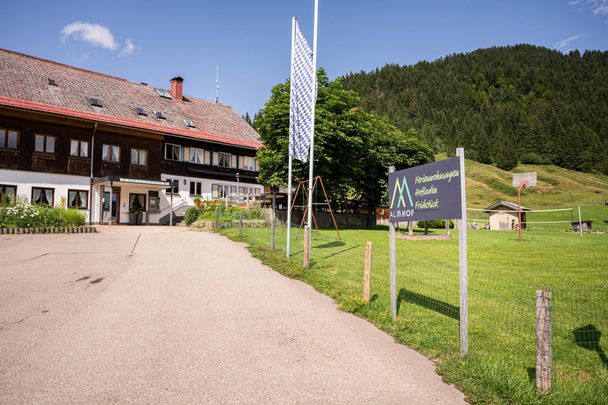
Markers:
{"x": 159, "y": 315}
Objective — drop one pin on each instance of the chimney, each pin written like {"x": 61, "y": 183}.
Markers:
{"x": 177, "y": 88}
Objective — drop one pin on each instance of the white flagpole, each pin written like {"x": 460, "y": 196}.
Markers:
{"x": 293, "y": 39}
{"x": 312, "y": 135}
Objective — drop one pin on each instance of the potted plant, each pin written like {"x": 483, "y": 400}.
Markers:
{"x": 132, "y": 216}
{"x": 198, "y": 201}
{"x": 139, "y": 216}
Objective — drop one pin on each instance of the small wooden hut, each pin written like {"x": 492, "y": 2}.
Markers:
{"x": 504, "y": 216}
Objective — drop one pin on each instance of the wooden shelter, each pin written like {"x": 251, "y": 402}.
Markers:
{"x": 504, "y": 216}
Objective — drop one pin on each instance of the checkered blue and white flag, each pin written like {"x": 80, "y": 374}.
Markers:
{"x": 302, "y": 98}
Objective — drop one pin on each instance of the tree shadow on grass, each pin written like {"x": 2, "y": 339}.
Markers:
{"x": 340, "y": 252}
{"x": 588, "y": 337}
{"x": 335, "y": 243}
{"x": 440, "y": 307}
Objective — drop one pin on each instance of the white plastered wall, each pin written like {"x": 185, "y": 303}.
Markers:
{"x": 61, "y": 183}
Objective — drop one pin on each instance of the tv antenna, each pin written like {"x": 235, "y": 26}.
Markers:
{"x": 217, "y": 84}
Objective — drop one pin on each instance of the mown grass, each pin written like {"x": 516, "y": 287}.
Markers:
{"x": 557, "y": 187}
{"x": 503, "y": 277}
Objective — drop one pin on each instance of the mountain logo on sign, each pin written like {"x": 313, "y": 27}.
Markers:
{"x": 401, "y": 187}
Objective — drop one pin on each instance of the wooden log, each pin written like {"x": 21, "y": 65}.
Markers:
{"x": 367, "y": 272}
{"x": 543, "y": 341}
{"x": 306, "y": 246}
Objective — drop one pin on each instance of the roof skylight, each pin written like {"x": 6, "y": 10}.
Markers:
{"x": 164, "y": 93}
{"x": 189, "y": 124}
{"x": 53, "y": 82}
{"x": 160, "y": 114}
{"x": 141, "y": 111}
{"x": 95, "y": 102}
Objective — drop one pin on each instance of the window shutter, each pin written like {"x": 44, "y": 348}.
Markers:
{"x": 234, "y": 160}
{"x": 241, "y": 162}
{"x": 207, "y": 157}
{"x": 215, "y": 159}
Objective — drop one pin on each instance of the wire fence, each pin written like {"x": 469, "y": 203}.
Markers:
{"x": 502, "y": 304}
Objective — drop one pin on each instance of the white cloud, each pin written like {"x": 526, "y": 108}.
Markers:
{"x": 564, "y": 44}
{"x": 94, "y": 34}
{"x": 128, "y": 49}
{"x": 597, "y": 7}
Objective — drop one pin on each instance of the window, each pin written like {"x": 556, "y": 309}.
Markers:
{"x": 7, "y": 192}
{"x": 163, "y": 93}
{"x": 173, "y": 152}
{"x": 137, "y": 202}
{"x": 110, "y": 153}
{"x": 232, "y": 191}
{"x": 78, "y": 199}
{"x": 189, "y": 124}
{"x": 248, "y": 163}
{"x": 53, "y": 82}
{"x": 194, "y": 155}
{"x": 95, "y": 102}
{"x": 219, "y": 190}
{"x": 43, "y": 196}
{"x": 139, "y": 157}
{"x": 160, "y": 114}
{"x": 195, "y": 188}
{"x": 141, "y": 111}
{"x": 45, "y": 143}
{"x": 224, "y": 159}
{"x": 8, "y": 139}
{"x": 79, "y": 148}
{"x": 174, "y": 189}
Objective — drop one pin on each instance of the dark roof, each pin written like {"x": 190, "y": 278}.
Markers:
{"x": 509, "y": 205}
{"x": 24, "y": 84}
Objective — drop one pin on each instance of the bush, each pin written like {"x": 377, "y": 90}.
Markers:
{"x": 436, "y": 224}
{"x": 25, "y": 215}
{"x": 534, "y": 159}
{"x": 74, "y": 217}
{"x": 192, "y": 214}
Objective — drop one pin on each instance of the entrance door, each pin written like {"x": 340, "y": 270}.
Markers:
{"x": 111, "y": 210}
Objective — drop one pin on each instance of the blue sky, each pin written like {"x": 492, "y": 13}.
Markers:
{"x": 250, "y": 40}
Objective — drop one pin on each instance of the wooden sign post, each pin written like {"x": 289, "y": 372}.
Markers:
{"x": 367, "y": 272}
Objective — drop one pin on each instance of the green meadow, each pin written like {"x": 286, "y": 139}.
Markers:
{"x": 504, "y": 275}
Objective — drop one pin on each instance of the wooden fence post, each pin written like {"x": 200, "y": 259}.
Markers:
{"x": 217, "y": 217}
{"x": 306, "y": 247}
{"x": 240, "y": 223}
{"x": 367, "y": 272}
{"x": 543, "y": 341}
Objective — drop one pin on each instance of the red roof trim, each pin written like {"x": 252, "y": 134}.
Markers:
{"x": 51, "y": 109}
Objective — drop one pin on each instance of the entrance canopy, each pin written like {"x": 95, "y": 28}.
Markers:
{"x": 117, "y": 181}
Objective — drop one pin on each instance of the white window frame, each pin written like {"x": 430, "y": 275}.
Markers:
{"x": 219, "y": 159}
{"x": 174, "y": 145}
{"x": 192, "y": 152}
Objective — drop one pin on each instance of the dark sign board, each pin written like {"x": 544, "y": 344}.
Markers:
{"x": 426, "y": 192}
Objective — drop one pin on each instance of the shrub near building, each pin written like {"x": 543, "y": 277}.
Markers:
{"x": 21, "y": 214}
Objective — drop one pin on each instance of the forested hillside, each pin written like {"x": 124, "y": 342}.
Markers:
{"x": 506, "y": 104}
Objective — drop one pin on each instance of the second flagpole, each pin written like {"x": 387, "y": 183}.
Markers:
{"x": 312, "y": 135}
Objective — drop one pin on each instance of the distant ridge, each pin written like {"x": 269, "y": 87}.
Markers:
{"x": 503, "y": 104}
